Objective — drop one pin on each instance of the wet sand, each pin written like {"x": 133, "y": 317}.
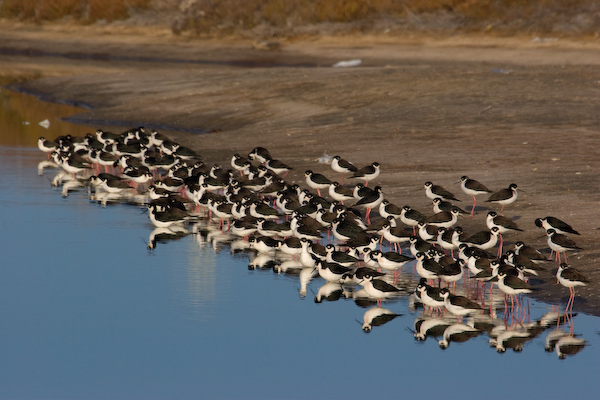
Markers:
{"x": 497, "y": 110}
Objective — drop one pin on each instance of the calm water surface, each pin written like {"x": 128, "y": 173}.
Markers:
{"x": 88, "y": 312}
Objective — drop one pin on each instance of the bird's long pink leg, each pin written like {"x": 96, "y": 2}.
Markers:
{"x": 473, "y": 208}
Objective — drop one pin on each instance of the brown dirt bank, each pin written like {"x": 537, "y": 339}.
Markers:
{"x": 499, "y": 111}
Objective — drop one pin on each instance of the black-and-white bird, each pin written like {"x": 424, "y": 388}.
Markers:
{"x": 339, "y": 257}
{"x": 390, "y": 260}
{"x": 504, "y": 196}
{"x": 331, "y": 271}
{"x": 445, "y": 219}
{"x": 317, "y": 181}
{"x": 374, "y": 199}
{"x": 512, "y": 285}
{"x": 340, "y": 193}
{"x": 367, "y": 173}
{"x": 388, "y": 209}
{"x": 556, "y": 224}
{"x": 503, "y": 224}
{"x": 560, "y": 243}
{"x": 338, "y": 164}
{"x": 459, "y": 305}
{"x": 570, "y": 277}
{"x": 530, "y": 252}
{"x": 432, "y": 191}
{"x": 473, "y": 188}
{"x": 261, "y": 154}
{"x": 378, "y": 288}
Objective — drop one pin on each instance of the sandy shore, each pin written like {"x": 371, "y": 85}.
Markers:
{"x": 497, "y": 110}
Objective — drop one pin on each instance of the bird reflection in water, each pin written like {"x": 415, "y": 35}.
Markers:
{"x": 377, "y": 316}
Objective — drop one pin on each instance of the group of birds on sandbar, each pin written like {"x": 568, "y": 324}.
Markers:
{"x": 319, "y": 225}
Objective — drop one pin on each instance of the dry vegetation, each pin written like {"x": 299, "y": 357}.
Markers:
{"x": 84, "y": 11}
{"x": 288, "y": 18}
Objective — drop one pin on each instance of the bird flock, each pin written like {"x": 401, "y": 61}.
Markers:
{"x": 349, "y": 235}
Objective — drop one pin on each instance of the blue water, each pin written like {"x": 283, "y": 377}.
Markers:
{"x": 88, "y": 312}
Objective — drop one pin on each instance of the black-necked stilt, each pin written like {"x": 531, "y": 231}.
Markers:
{"x": 390, "y": 260}
{"x": 164, "y": 219}
{"x": 512, "y": 285}
{"x": 503, "y": 224}
{"x": 528, "y": 265}
{"x": 444, "y": 219}
{"x": 304, "y": 230}
{"x": 278, "y": 167}
{"x": 570, "y": 277}
{"x": 556, "y": 224}
{"x": 110, "y": 185}
{"x": 185, "y": 153}
{"x": 533, "y": 254}
{"x": 427, "y": 268}
{"x": 243, "y": 227}
{"x": 261, "y": 154}
{"x": 411, "y": 217}
{"x": 356, "y": 276}
{"x": 325, "y": 217}
{"x": 387, "y": 209}
{"x": 103, "y": 136}
{"x": 291, "y": 246}
{"x": 395, "y": 234}
{"x": 340, "y": 193}
{"x": 317, "y": 181}
{"x": 504, "y": 196}
{"x": 427, "y": 232}
{"x": 560, "y": 243}
{"x": 378, "y": 288}
{"x": 440, "y": 205}
{"x": 73, "y": 164}
{"x": 432, "y": 191}
{"x": 344, "y": 229}
{"x": 264, "y": 244}
{"x": 307, "y": 258}
{"x": 258, "y": 209}
{"x": 418, "y": 245}
{"x": 157, "y": 138}
{"x": 459, "y": 305}
{"x": 331, "y": 271}
{"x": 367, "y": 173}
{"x": 170, "y": 183}
{"x": 273, "y": 229}
{"x": 430, "y": 295}
{"x": 363, "y": 243}
{"x": 473, "y": 188}
{"x": 241, "y": 164}
{"x": 339, "y": 257}
{"x": 484, "y": 239}
{"x": 47, "y": 146}
{"x": 338, "y": 164}
{"x": 444, "y": 239}
{"x": 477, "y": 264}
{"x": 452, "y": 273}
{"x": 137, "y": 175}
{"x": 371, "y": 201}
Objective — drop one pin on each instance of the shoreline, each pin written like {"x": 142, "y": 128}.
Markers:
{"x": 424, "y": 111}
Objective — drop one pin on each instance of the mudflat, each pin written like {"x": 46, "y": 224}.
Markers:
{"x": 499, "y": 110}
